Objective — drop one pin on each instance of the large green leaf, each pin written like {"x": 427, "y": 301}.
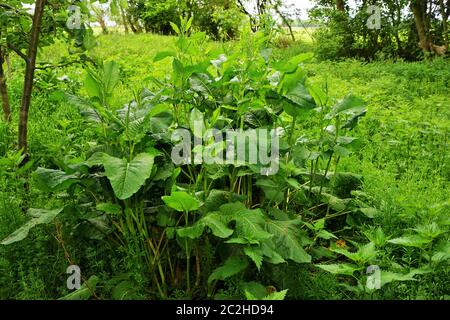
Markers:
{"x": 388, "y": 276}
{"x": 277, "y": 295}
{"x": 126, "y": 290}
{"x": 342, "y": 268}
{"x": 365, "y": 253}
{"x": 292, "y": 64}
{"x": 216, "y": 198}
{"x": 270, "y": 252}
{"x": 354, "y": 256}
{"x": 196, "y": 122}
{"x": 85, "y": 292}
{"x": 441, "y": 252}
{"x": 301, "y": 98}
{"x": 110, "y": 208}
{"x": 111, "y": 76}
{"x": 163, "y": 54}
{"x": 135, "y": 121}
{"x": 288, "y": 240}
{"x": 160, "y": 118}
{"x": 95, "y": 159}
{"x": 199, "y": 83}
{"x": 192, "y": 232}
{"x": 93, "y": 86}
{"x": 175, "y": 27}
{"x": 350, "y": 105}
{"x": 411, "y": 241}
{"x": 100, "y": 83}
{"x": 217, "y": 224}
{"x": 273, "y": 191}
{"x": 40, "y": 216}
{"x": 256, "y": 254}
{"x": 253, "y": 290}
{"x": 334, "y": 202}
{"x": 249, "y": 223}
{"x": 232, "y": 266}
{"x": 429, "y": 230}
{"x": 181, "y": 201}
{"x": 369, "y": 212}
{"x": 53, "y": 180}
{"x": 214, "y": 221}
{"x": 128, "y": 177}
{"x": 319, "y": 96}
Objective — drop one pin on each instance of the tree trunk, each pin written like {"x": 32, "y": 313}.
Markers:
{"x": 261, "y": 7}
{"x": 4, "y": 90}
{"x": 419, "y": 10}
{"x": 286, "y": 22}
{"x": 130, "y": 21}
{"x": 398, "y": 19}
{"x": 253, "y": 22}
{"x": 102, "y": 23}
{"x": 444, "y": 15}
{"x": 29, "y": 76}
{"x": 124, "y": 20}
{"x": 134, "y": 24}
{"x": 137, "y": 25}
{"x": 340, "y": 5}
{"x": 395, "y": 20}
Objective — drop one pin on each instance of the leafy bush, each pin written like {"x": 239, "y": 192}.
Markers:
{"x": 141, "y": 226}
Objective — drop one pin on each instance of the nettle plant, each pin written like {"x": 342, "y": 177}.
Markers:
{"x": 423, "y": 251}
{"x": 196, "y": 227}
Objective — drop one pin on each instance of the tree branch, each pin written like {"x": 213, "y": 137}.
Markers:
{"x": 252, "y": 18}
{"x": 285, "y": 21}
{"x": 18, "y": 11}
{"x": 29, "y": 76}
{"x": 241, "y": 5}
{"x": 18, "y": 52}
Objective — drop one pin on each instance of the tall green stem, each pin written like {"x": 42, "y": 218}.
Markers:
{"x": 188, "y": 260}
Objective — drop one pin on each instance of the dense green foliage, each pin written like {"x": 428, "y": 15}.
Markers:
{"x": 362, "y": 181}
{"x": 406, "y": 29}
{"x": 385, "y": 202}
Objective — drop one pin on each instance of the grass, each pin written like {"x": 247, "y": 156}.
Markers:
{"x": 404, "y": 161}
